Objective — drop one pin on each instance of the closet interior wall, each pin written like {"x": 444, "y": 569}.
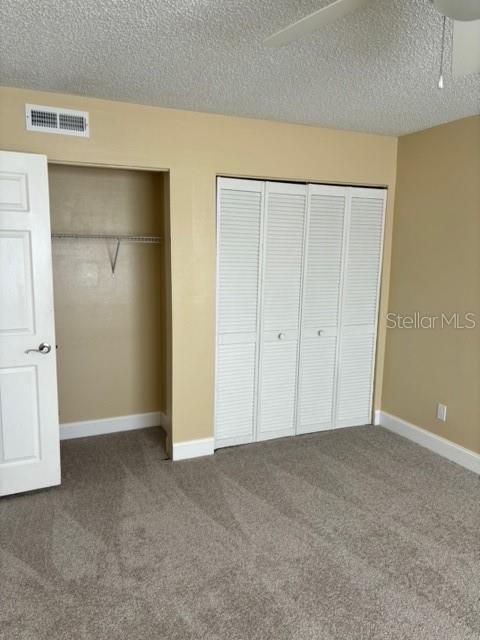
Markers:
{"x": 111, "y": 331}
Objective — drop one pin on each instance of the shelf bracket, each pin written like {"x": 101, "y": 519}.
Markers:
{"x": 115, "y": 257}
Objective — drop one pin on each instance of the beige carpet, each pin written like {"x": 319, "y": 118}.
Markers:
{"x": 352, "y": 534}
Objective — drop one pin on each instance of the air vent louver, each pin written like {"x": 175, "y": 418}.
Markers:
{"x": 43, "y": 119}
{"x": 51, "y": 120}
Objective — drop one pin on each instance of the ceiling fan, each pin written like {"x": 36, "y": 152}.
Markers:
{"x": 466, "y": 32}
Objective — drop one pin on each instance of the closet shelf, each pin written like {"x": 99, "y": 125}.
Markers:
{"x": 121, "y": 238}
{"x": 116, "y": 238}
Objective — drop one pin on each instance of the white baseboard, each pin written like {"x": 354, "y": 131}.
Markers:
{"x": 85, "y": 428}
{"x": 454, "y": 452}
{"x": 377, "y": 416}
{"x": 192, "y": 449}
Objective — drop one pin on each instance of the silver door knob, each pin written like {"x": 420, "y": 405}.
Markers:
{"x": 281, "y": 336}
{"x": 320, "y": 332}
{"x": 43, "y": 347}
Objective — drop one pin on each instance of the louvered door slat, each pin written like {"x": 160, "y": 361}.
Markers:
{"x": 355, "y": 379}
{"x": 235, "y": 393}
{"x": 283, "y": 258}
{"x": 363, "y": 260}
{"x": 239, "y": 241}
{"x": 278, "y": 385}
{"x": 324, "y": 259}
{"x": 239, "y": 212}
{"x": 356, "y": 359}
{"x": 316, "y": 384}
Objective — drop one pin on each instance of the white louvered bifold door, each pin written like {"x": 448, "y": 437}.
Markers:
{"x": 359, "y": 306}
{"x": 239, "y": 222}
{"x": 320, "y": 308}
{"x": 282, "y": 277}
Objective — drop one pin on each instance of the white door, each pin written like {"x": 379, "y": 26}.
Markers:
{"x": 240, "y": 206}
{"x": 320, "y": 307}
{"x": 281, "y": 295}
{"x": 29, "y": 431}
{"x": 359, "y": 306}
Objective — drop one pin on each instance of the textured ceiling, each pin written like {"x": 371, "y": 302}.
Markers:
{"x": 375, "y": 70}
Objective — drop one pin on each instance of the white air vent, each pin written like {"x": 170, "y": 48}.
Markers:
{"x": 63, "y": 121}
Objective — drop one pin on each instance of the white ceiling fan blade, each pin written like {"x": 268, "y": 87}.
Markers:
{"x": 313, "y": 21}
{"x": 459, "y": 9}
{"x": 466, "y": 48}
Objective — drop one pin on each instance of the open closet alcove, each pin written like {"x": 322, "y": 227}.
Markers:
{"x": 111, "y": 293}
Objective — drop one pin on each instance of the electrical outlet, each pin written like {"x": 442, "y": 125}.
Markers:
{"x": 442, "y": 412}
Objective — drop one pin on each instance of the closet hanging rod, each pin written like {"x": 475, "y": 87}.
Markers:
{"x": 97, "y": 236}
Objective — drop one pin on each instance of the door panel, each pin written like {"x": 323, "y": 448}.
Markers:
{"x": 239, "y": 210}
{"x": 13, "y": 191}
{"x": 323, "y": 268}
{"x": 19, "y": 405}
{"x": 316, "y": 383}
{"x": 363, "y": 261}
{"x": 278, "y": 390}
{"x": 16, "y": 282}
{"x": 355, "y": 379}
{"x": 235, "y": 404}
{"x": 285, "y": 215}
{"x": 29, "y": 432}
{"x": 239, "y": 237}
{"x": 282, "y": 278}
{"x": 320, "y": 308}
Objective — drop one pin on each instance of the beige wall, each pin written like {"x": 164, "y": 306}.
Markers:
{"x": 435, "y": 269}
{"x": 195, "y": 147}
{"x": 108, "y": 330}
